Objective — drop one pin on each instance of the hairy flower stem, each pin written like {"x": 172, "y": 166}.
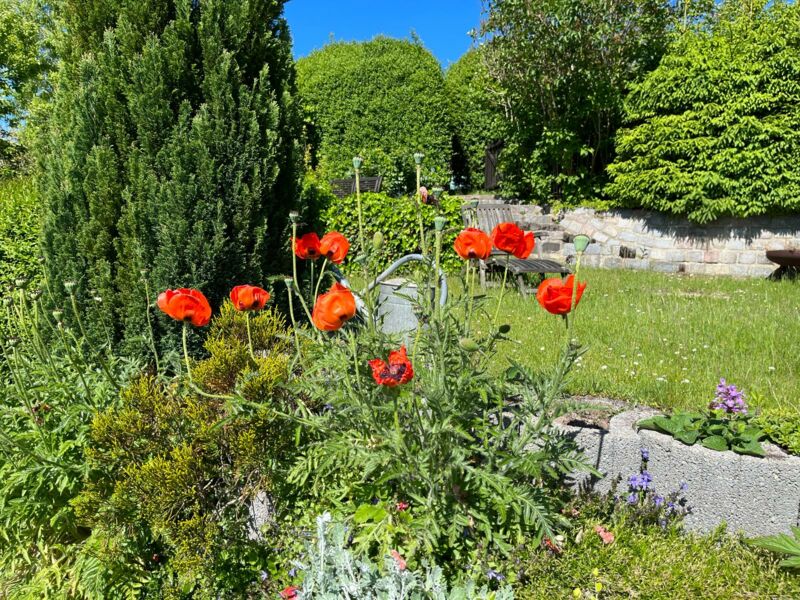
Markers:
{"x": 502, "y": 292}
{"x": 100, "y": 358}
{"x": 249, "y": 337}
{"x": 361, "y": 246}
{"x": 290, "y": 293}
{"x": 321, "y": 277}
{"x": 573, "y": 299}
{"x": 471, "y": 268}
{"x": 150, "y": 324}
{"x": 422, "y": 245}
{"x": 186, "y": 352}
{"x": 294, "y": 272}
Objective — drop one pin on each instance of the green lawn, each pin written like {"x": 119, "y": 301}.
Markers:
{"x": 665, "y": 340}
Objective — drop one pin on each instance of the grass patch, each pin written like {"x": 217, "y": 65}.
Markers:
{"x": 648, "y": 562}
{"x": 665, "y": 340}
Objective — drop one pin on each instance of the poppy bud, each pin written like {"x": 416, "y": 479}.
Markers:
{"x": 377, "y": 241}
{"x": 418, "y": 156}
{"x": 468, "y": 344}
{"x": 289, "y": 282}
{"x": 357, "y": 161}
{"x": 36, "y": 294}
{"x": 69, "y": 286}
{"x": 13, "y": 341}
{"x": 21, "y": 282}
{"x": 57, "y": 314}
{"x": 7, "y": 301}
{"x": 581, "y": 242}
{"x": 439, "y": 223}
{"x": 294, "y": 216}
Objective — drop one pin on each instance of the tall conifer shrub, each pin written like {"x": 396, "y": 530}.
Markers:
{"x": 171, "y": 152}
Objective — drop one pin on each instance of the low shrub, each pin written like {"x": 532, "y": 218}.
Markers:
{"x": 396, "y": 221}
{"x": 173, "y": 470}
{"x": 20, "y": 226}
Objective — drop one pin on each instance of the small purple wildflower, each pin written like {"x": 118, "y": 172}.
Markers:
{"x": 729, "y": 399}
{"x": 264, "y": 576}
{"x": 633, "y": 498}
{"x": 658, "y": 500}
{"x": 640, "y": 481}
{"x": 645, "y": 454}
{"x": 684, "y": 486}
{"x": 491, "y": 574}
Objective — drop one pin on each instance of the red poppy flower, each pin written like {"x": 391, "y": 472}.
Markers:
{"x": 334, "y": 247}
{"x": 473, "y": 243}
{"x": 187, "y": 305}
{"x": 289, "y": 592}
{"x": 307, "y": 246}
{"x": 334, "y": 308}
{"x": 555, "y": 295}
{"x": 249, "y": 297}
{"x": 507, "y": 237}
{"x": 396, "y": 372}
{"x": 401, "y": 563}
{"x": 401, "y": 506}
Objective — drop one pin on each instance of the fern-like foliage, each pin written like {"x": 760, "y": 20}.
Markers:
{"x": 474, "y": 456}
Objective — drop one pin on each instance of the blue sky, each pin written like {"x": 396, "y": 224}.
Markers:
{"x": 442, "y": 25}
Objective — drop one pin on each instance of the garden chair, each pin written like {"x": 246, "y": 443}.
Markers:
{"x": 347, "y": 187}
{"x": 487, "y": 216}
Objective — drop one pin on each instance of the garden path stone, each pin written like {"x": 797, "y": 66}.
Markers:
{"x": 752, "y": 495}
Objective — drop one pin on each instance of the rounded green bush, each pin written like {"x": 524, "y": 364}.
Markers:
{"x": 383, "y": 100}
{"x": 715, "y": 130}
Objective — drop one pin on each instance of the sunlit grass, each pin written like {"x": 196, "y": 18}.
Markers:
{"x": 665, "y": 340}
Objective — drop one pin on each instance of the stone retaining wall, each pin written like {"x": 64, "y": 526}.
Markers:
{"x": 637, "y": 239}
{"x": 757, "y": 496}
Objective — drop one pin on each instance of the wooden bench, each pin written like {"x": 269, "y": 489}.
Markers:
{"x": 347, "y": 187}
{"x": 486, "y": 216}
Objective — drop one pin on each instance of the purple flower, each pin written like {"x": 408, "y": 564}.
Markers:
{"x": 633, "y": 498}
{"x": 658, "y": 500}
{"x": 729, "y": 399}
{"x": 684, "y": 486}
{"x": 491, "y": 574}
{"x": 645, "y": 454}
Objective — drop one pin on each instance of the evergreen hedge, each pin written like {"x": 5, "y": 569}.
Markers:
{"x": 171, "y": 151}
{"x": 715, "y": 130}
{"x": 384, "y": 100}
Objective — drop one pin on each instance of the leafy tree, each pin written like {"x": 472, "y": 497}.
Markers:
{"x": 170, "y": 151}
{"x": 384, "y": 100}
{"x": 24, "y": 61}
{"x": 475, "y": 110}
{"x": 715, "y": 130}
{"x": 564, "y": 67}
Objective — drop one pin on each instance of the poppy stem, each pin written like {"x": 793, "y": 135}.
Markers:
{"x": 291, "y": 316}
{"x": 249, "y": 337}
{"x": 321, "y": 275}
{"x": 418, "y": 196}
{"x": 361, "y": 247}
{"x": 150, "y": 324}
{"x": 573, "y": 299}
{"x": 186, "y": 351}
{"x": 502, "y": 291}
{"x": 471, "y": 299}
